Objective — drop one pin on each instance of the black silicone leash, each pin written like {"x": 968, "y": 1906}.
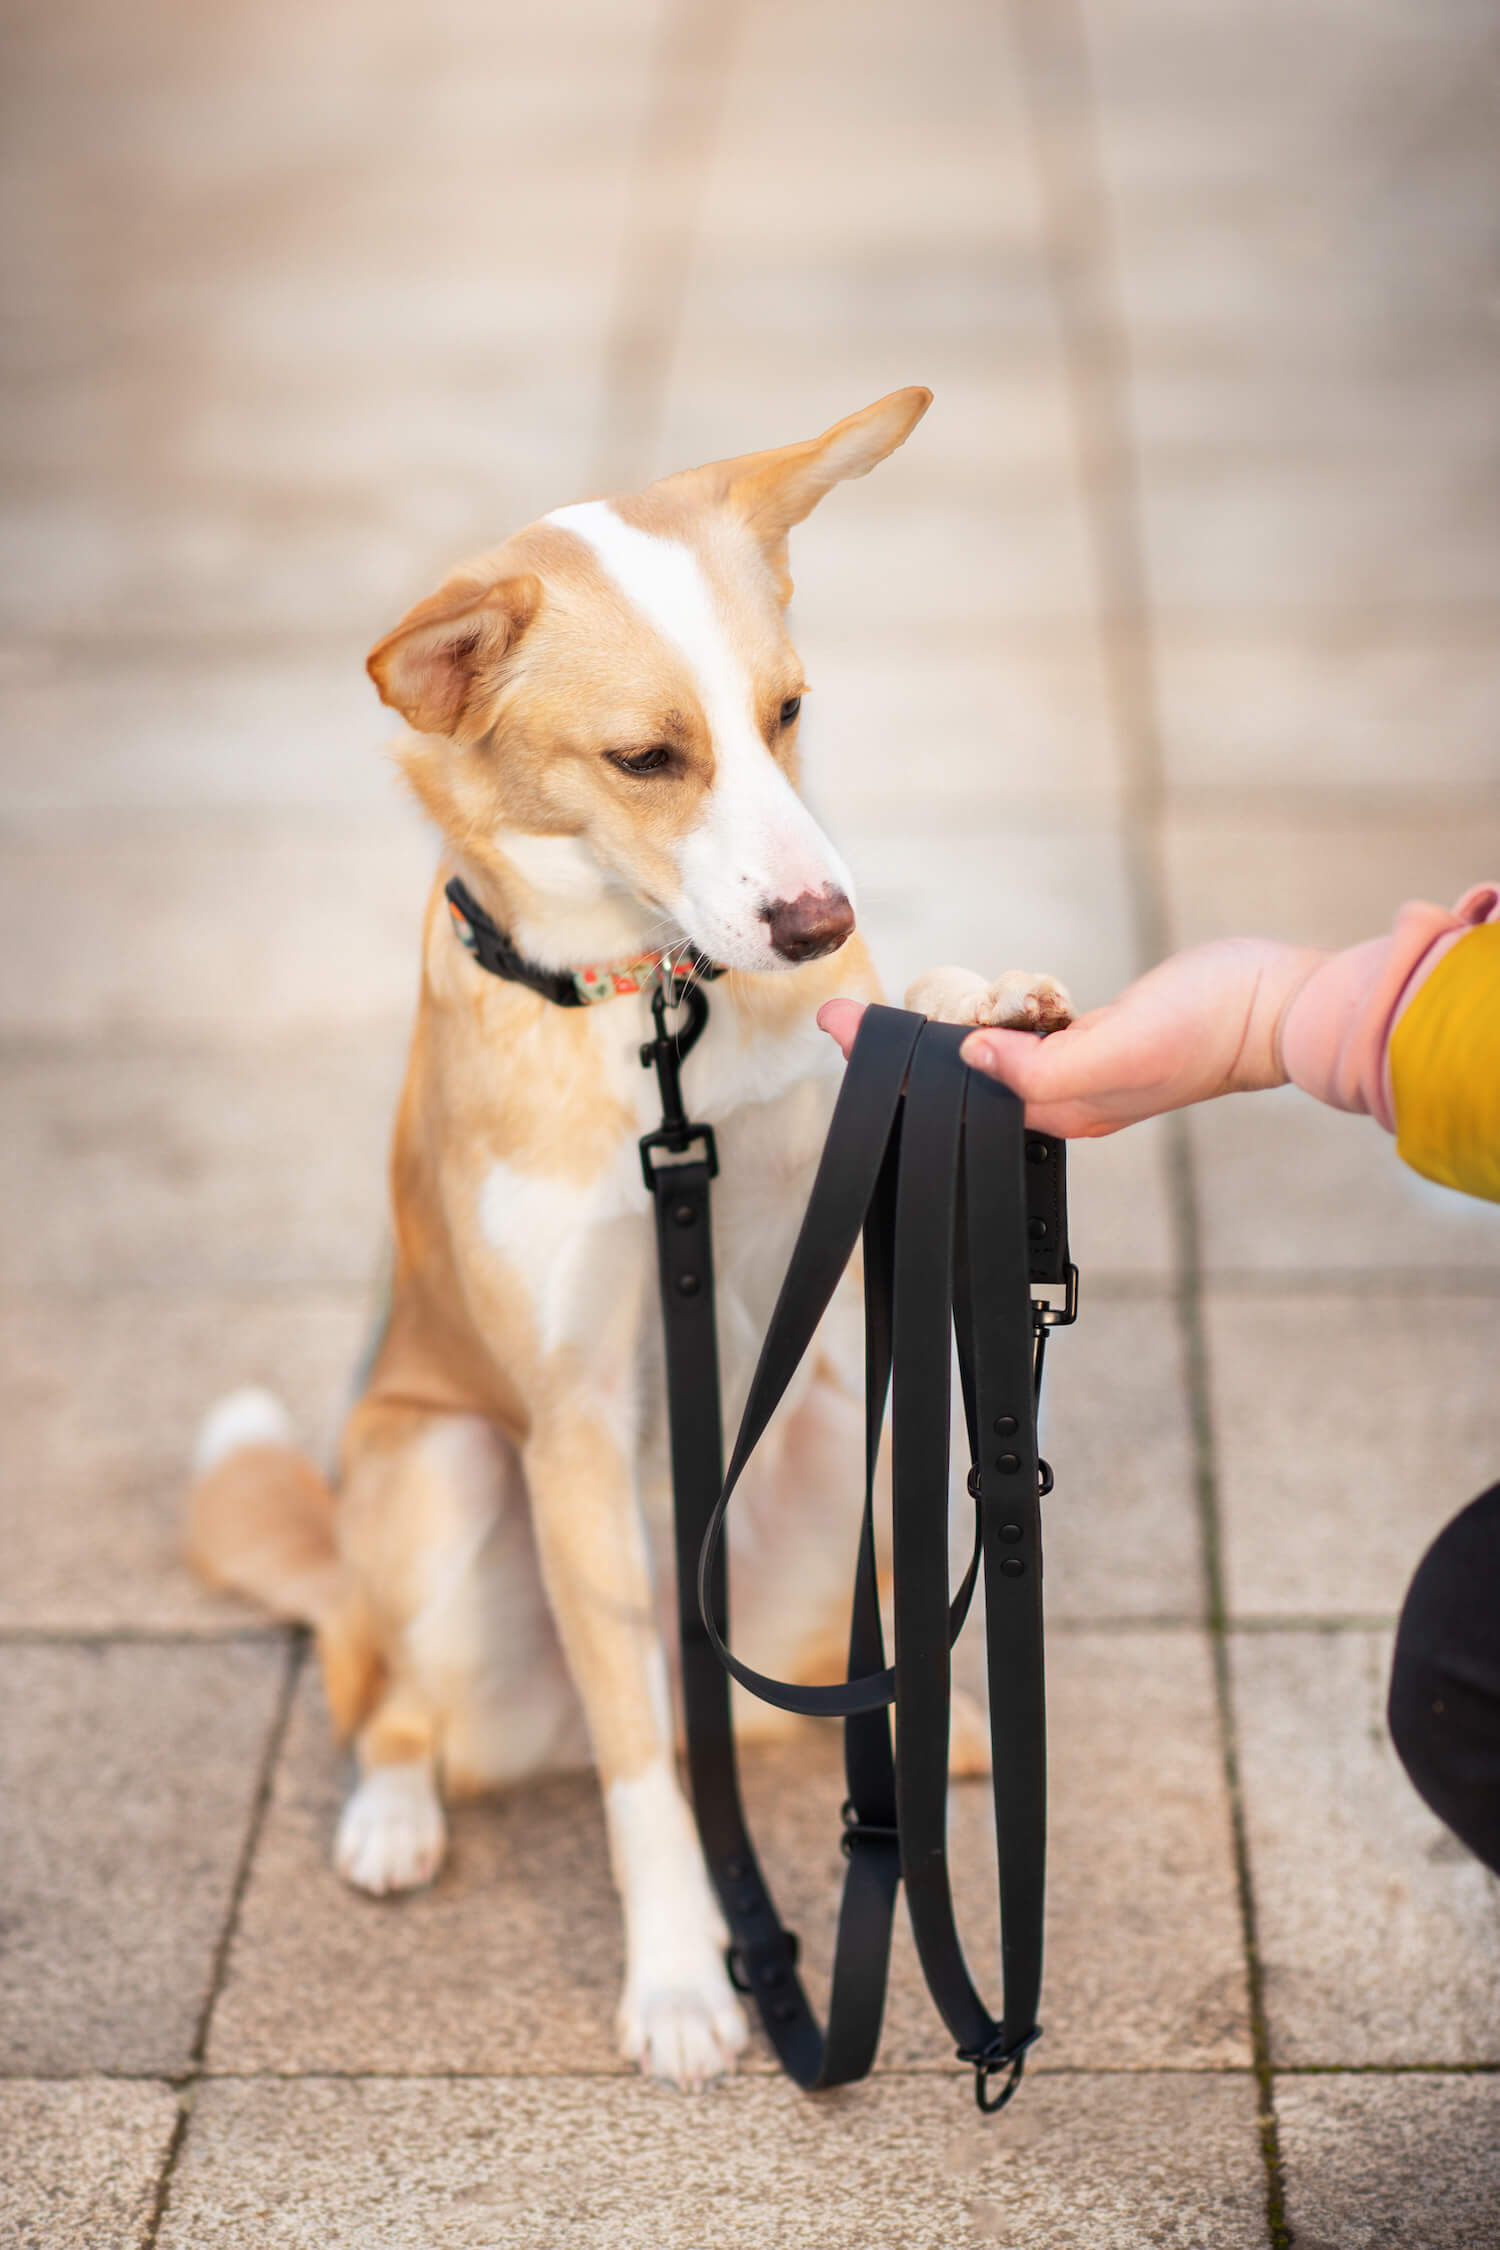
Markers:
{"x": 962, "y": 1214}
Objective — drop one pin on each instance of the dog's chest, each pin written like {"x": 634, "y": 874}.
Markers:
{"x": 768, "y": 1099}
{"x": 585, "y": 1252}
{"x": 769, "y": 1142}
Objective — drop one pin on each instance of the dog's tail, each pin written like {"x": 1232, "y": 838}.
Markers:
{"x": 261, "y": 1522}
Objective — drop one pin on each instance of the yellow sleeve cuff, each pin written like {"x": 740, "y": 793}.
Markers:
{"x": 1445, "y": 1069}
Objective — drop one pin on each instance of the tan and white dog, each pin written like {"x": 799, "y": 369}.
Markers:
{"x": 604, "y": 727}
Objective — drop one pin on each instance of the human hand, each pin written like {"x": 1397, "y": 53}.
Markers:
{"x": 1204, "y": 1022}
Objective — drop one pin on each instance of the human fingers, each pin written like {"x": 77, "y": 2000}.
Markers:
{"x": 841, "y": 1020}
{"x": 1073, "y": 1083}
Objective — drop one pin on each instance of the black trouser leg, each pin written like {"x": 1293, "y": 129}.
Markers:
{"x": 1445, "y": 1681}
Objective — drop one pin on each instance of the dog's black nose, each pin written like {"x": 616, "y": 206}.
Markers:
{"x": 803, "y": 928}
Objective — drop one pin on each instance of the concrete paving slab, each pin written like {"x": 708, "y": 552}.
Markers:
{"x": 1379, "y": 1934}
{"x": 129, "y": 1775}
{"x": 1347, "y": 1431}
{"x": 294, "y": 727}
{"x": 900, "y": 180}
{"x": 510, "y": 1962}
{"x": 1118, "y": 1206}
{"x": 266, "y": 567}
{"x": 1047, "y": 894}
{"x": 1264, "y": 130}
{"x": 100, "y": 1399}
{"x": 165, "y": 1164}
{"x": 81, "y": 2162}
{"x": 223, "y": 928}
{"x": 923, "y": 138}
{"x": 977, "y": 302}
{"x": 903, "y": 559}
{"x": 979, "y": 732}
{"x": 1368, "y": 710}
{"x": 1290, "y": 1188}
{"x": 1323, "y": 877}
{"x": 264, "y": 1166}
{"x": 1099, "y": 2163}
{"x": 1257, "y": 528}
{"x": 264, "y": 390}
{"x": 1122, "y": 1522}
{"x": 1000, "y": 413}
{"x": 1332, "y": 373}
{"x": 1372, "y": 2161}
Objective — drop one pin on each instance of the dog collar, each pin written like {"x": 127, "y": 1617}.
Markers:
{"x": 569, "y": 988}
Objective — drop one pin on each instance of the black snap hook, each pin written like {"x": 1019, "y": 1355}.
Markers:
{"x": 987, "y": 2062}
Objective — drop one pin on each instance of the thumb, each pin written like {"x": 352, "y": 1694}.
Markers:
{"x": 1016, "y": 1058}
{"x": 841, "y": 1020}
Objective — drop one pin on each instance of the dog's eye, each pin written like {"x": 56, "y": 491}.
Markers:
{"x": 641, "y": 761}
{"x": 790, "y": 708}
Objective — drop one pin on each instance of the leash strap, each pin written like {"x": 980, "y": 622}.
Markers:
{"x": 763, "y": 1954}
{"x": 960, "y": 1211}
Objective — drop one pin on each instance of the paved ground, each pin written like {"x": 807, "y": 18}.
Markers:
{"x": 1180, "y": 614}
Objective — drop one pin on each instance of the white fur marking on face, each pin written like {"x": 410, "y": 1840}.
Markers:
{"x": 756, "y": 842}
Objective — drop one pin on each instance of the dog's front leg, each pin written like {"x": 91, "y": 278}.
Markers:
{"x": 678, "y": 2015}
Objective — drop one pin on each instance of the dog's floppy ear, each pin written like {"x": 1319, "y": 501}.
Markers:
{"x": 442, "y": 662}
{"x": 775, "y": 490}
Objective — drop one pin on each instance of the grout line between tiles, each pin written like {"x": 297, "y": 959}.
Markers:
{"x": 188, "y": 2083}
{"x": 137, "y": 1636}
{"x": 1123, "y": 1285}
{"x": 1123, "y": 1621}
{"x": 1051, "y": 40}
{"x": 761, "y": 2072}
{"x": 1205, "y": 1477}
{"x": 84, "y": 650}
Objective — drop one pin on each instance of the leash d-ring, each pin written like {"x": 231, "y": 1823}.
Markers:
{"x": 987, "y": 2061}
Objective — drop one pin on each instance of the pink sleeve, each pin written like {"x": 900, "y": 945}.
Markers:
{"x": 1337, "y": 1027}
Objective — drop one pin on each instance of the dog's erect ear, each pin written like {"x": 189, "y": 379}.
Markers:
{"x": 440, "y": 665}
{"x": 775, "y": 490}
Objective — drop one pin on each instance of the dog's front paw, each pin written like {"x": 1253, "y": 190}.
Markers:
{"x": 392, "y": 1835}
{"x": 682, "y": 2022}
{"x": 1017, "y": 1001}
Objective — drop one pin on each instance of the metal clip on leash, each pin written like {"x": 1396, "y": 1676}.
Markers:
{"x": 667, "y": 1052}
{"x": 962, "y": 1213}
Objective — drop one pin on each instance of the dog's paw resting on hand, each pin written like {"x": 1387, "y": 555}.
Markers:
{"x": 1016, "y": 1001}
